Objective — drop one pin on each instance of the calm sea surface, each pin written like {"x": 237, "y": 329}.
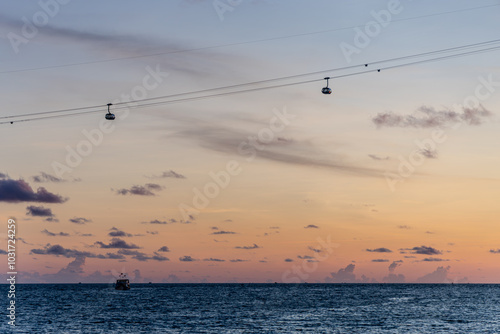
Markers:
{"x": 255, "y": 308}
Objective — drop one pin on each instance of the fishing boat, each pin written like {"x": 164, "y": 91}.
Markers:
{"x": 122, "y": 283}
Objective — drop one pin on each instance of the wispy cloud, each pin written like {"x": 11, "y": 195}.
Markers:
{"x": 146, "y": 190}
{"x": 59, "y": 250}
{"x": 51, "y": 234}
{"x": 254, "y": 246}
{"x": 428, "y": 117}
{"x": 223, "y": 232}
{"x": 118, "y": 233}
{"x": 380, "y": 260}
{"x": 311, "y": 226}
{"x": 378, "y": 158}
{"x": 214, "y": 260}
{"x": 495, "y": 251}
{"x": 167, "y": 174}
{"x": 80, "y": 220}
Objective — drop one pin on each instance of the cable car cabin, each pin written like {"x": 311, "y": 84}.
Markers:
{"x": 326, "y": 90}
{"x": 110, "y": 116}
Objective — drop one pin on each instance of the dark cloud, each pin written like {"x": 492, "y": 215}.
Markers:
{"x": 59, "y": 250}
{"x": 238, "y": 260}
{"x": 288, "y": 260}
{"x": 80, "y": 220}
{"x": 311, "y": 226}
{"x": 39, "y": 211}
{"x": 428, "y": 117}
{"x": 164, "y": 249}
{"x": 146, "y": 190}
{"x": 254, "y": 246}
{"x": 44, "y": 177}
{"x": 117, "y": 243}
{"x": 167, "y": 174}
{"x": 118, "y": 233}
{"x": 495, "y": 251}
{"x": 214, "y": 260}
{"x": 380, "y": 260}
{"x": 223, "y": 232}
{"x": 51, "y": 234}
{"x": 305, "y": 257}
{"x": 3, "y": 252}
{"x": 15, "y": 191}
{"x": 187, "y": 258}
{"x": 379, "y": 250}
{"x": 376, "y": 157}
{"x": 440, "y": 275}
{"x": 52, "y": 219}
{"x": 422, "y": 250}
{"x": 4, "y": 176}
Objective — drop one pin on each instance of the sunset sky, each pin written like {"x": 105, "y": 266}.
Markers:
{"x": 394, "y": 177}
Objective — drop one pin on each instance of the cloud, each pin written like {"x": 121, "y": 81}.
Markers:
{"x": 214, "y": 260}
{"x": 305, "y": 257}
{"x": 187, "y": 258}
{"x": 344, "y": 275}
{"x": 146, "y": 190}
{"x": 44, "y": 177}
{"x": 164, "y": 249}
{"x": 404, "y": 227}
{"x": 440, "y": 275}
{"x": 434, "y": 259}
{"x": 428, "y": 117}
{"x": 429, "y": 154}
{"x": 3, "y": 252}
{"x": 230, "y": 140}
{"x": 51, "y": 234}
{"x": 380, "y": 260}
{"x": 140, "y": 256}
{"x": 379, "y": 250}
{"x": 254, "y": 246}
{"x": 223, "y": 232}
{"x": 15, "y": 191}
{"x": 315, "y": 250}
{"x": 495, "y": 251}
{"x": 422, "y": 250}
{"x": 393, "y": 278}
{"x": 4, "y": 176}
{"x": 59, "y": 250}
{"x": 311, "y": 226}
{"x": 394, "y": 265}
{"x": 80, "y": 220}
{"x": 238, "y": 260}
{"x": 376, "y": 157}
{"x": 116, "y": 243}
{"x": 152, "y": 232}
{"x": 118, "y": 233}
{"x": 161, "y": 222}
{"x": 39, "y": 211}
{"x": 288, "y": 260}
{"x": 167, "y": 174}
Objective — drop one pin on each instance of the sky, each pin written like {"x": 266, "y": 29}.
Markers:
{"x": 392, "y": 178}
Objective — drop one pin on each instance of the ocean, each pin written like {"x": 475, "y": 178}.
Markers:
{"x": 255, "y": 308}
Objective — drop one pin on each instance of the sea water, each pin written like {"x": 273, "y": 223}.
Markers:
{"x": 255, "y": 308}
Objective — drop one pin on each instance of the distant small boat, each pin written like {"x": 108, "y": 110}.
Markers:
{"x": 122, "y": 283}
